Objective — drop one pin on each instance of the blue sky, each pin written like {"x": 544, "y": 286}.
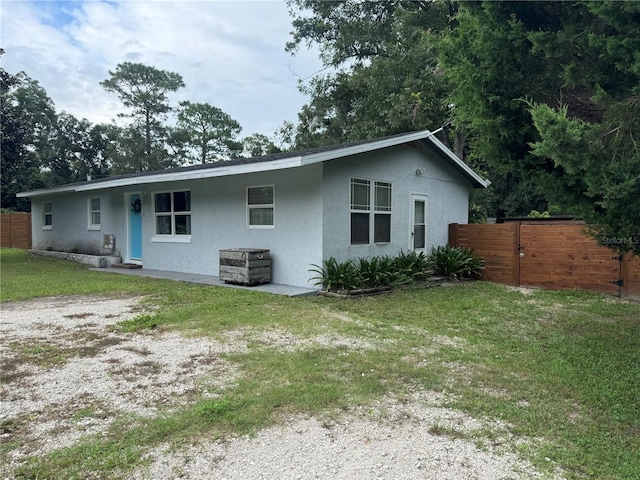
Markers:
{"x": 229, "y": 53}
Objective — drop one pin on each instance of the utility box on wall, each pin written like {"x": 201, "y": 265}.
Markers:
{"x": 109, "y": 242}
{"x": 245, "y": 266}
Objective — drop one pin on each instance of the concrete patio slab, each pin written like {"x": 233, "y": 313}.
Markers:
{"x": 274, "y": 288}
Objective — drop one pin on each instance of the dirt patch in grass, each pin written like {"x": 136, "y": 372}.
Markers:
{"x": 64, "y": 377}
{"x": 70, "y": 374}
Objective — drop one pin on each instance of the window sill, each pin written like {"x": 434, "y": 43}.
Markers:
{"x": 48, "y": 227}
{"x": 171, "y": 239}
{"x": 376, "y": 244}
{"x": 93, "y": 227}
{"x": 261, "y": 227}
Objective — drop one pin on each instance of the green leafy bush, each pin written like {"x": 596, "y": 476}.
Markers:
{"x": 456, "y": 262}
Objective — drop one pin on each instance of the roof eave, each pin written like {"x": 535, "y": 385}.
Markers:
{"x": 279, "y": 164}
{"x": 364, "y": 148}
{"x": 170, "y": 177}
{"x": 476, "y": 180}
{"x": 47, "y": 191}
{"x": 195, "y": 174}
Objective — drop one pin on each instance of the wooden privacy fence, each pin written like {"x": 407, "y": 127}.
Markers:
{"x": 551, "y": 255}
{"x": 16, "y": 230}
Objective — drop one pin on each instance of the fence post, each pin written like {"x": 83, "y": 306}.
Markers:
{"x": 517, "y": 250}
{"x": 10, "y": 230}
{"x": 453, "y": 234}
{"x": 632, "y": 275}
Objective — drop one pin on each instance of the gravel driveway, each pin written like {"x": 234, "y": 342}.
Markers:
{"x": 67, "y": 373}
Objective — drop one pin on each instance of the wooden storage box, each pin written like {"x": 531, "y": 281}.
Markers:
{"x": 245, "y": 266}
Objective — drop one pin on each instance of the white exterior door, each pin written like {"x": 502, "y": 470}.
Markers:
{"x": 418, "y": 237}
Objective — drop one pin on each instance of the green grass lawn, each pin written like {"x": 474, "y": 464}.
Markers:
{"x": 562, "y": 369}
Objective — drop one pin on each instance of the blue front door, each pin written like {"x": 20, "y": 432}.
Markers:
{"x": 135, "y": 227}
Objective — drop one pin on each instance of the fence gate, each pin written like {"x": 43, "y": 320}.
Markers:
{"x": 561, "y": 256}
{"x": 548, "y": 255}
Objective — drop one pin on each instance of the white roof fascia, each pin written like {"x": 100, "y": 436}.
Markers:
{"x": 391, "y": 142}
{"x": 194, "y": 174}
{"x": 47, "y": 191}
{"x": 363, "y": 148}
{"x": 279, "y": 164}
{"x": 457, "y": 160}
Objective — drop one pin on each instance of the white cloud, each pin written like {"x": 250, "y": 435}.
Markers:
{"x": 229, "y": 53}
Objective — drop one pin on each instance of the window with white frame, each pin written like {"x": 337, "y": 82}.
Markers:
{"x": 261, "y": 207}
{"x": 47, "y": 216}
{"x": 172, "y": 212}
{"x": 370, "y": 212}
{"x": 93, "y": 209}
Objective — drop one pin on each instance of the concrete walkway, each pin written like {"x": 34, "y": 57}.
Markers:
{"x": 274, "y": 288}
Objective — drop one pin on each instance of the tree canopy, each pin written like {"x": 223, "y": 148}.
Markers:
{"x": 18, "y": 167}
{"x": 207, "y": 134}
{"x": 144, "y": 91}
{"x": 384, "y": 76}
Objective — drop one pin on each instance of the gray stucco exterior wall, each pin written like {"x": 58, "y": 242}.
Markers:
{"x": 219, "y": 221}
{"x": 312, "y": 214}
{"x": 70, "y": 229}
{"x": 446, "y": 190}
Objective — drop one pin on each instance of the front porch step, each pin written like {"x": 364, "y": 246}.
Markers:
{"x": 126, "y": 265}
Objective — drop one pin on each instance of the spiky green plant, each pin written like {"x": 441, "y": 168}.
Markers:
{"x": 413, "y": 265}
{"x": 334, "y": 275}
{"x": 376, "y": 271}
{"x": 456, "y": 263}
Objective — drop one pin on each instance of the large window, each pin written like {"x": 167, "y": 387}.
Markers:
{"x": 93, "y": 211}
{"x": 370, "y": 212}
{"x": 261, "y": 207}
{"x": 172, "y": 211}
{"x": 47, "y": 216}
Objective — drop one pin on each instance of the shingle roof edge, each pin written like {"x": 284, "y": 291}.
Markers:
{"x": 289, "y": 159}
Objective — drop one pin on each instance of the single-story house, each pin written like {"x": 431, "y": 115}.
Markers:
{"x": 361, "y": 199}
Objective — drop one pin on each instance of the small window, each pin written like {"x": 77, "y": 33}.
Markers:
{"x": 94, "y": 213}
{"x": 366, "y": 222}
{"x": 172, "y": 211}
{"x": 261, "y": 207}
{"x": 382, "y": 213}
{"x": 47, "y": 220}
